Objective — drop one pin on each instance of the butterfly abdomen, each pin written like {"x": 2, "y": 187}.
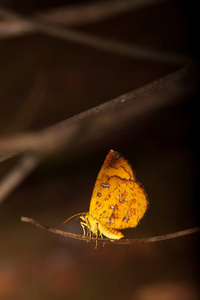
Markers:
{"x": 110, "y": 232}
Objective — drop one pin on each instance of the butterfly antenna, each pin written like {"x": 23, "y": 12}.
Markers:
{"x": 70, "y": 218}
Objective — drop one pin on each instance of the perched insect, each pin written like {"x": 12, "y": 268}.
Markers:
{"x": 118, "y": 200}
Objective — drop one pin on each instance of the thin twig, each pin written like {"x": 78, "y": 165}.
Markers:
{"x": 115, "y": 242}
{"x": 106, "y": 117}
{"x": 20, "y": 171}
{"x": 102, "y": 44}
{"x": 75, "y": 15}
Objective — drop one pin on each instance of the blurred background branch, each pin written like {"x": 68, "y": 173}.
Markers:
{"x": 133, "y": 51}
{"x": 105, "y": 117}
{"x": 18, "y": 173}
{"x": 74, "y": 15}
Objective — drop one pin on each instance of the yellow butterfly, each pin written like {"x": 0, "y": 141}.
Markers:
{"x": 118, "y": 200}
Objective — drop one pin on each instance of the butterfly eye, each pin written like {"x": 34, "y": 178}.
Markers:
{"x": 83, "y": 215}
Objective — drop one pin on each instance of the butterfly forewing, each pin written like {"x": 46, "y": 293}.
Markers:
{"x": 114, "y": 171}
{"x": 101, "y": 194}
{"x": 118, "y": 201}
{"x": 115, "y": 164}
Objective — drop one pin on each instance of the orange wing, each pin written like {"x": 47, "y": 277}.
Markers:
{"x": 115, "y": 164}
{"x": 118, "y": 201}
{"x": 115, "y": 170}
{"x": 123, "y": 207}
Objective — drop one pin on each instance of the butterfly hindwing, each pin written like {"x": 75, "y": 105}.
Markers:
{"x": 123, "y": 207}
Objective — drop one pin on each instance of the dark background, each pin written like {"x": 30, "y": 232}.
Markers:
{"x": 45, "y": 80}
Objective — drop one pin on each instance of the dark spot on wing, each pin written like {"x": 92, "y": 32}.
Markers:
{"x": 125, "y": 219}
{"x": 111, "y": 217}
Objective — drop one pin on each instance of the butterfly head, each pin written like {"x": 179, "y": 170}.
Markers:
{"x": 87, "y": 219}
{"x": 84, "y": 216}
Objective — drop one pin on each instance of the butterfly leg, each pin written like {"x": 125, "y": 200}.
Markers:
{"x": 86, "y": 230}
{"x": 83, "y": 225}
{"x": 90, "y": 233}
{"x": 101, "y": 235}
{"x": 97, "y": 234}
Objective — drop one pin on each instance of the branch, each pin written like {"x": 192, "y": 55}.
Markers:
{"x": 106, "y": 117}
{"x": 119, "y": 48}
{"x": 20, "y": 171}
{"x": 75, "y": 15}
{"x": 115, "y": 242}
{"x": 73, "y": 132}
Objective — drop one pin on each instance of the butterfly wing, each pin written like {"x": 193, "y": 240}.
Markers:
{"x": 115, "y": 164}
{"x": 115, "y": 171}
{"x": 118, "y": 201}
{"x": 124, "y": 207}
